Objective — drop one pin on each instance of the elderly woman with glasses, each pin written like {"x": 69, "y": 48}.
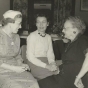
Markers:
{"x": 72, "y": 57}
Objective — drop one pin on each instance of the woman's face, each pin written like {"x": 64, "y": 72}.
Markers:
{"x": 69, "y": 31}
{"x": 16, "y": 26}
{"x": 41, "y": 24}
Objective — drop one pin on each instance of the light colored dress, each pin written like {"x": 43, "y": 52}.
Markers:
{"x": 9, "y": 53}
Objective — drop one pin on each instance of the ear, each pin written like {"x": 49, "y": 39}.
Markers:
{"x": 74, "y": 32}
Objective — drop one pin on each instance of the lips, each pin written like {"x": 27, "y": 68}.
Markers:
{"x": 41, "y": 27}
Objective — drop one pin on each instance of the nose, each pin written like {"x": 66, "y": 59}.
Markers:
{"x": 41, "y": 24}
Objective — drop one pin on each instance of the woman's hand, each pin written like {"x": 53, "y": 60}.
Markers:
{"x": 51, "y": 67}
{"x": 56, "y": 67}
{"x": 78, "y": 83}
{"x": 19, "y": 69}
{"x": 26, "y": 66}
{"x": 57, "y": 71}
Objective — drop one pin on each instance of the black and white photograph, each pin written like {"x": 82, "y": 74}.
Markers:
{"x": 43, "y": 43}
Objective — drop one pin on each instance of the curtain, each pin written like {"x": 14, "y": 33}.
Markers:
{"x": 22, "y": 5}
{"x": 62, "y": 10}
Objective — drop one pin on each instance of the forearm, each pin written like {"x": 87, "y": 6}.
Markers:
{"x": 50, "y": 53}
{"x": 51, "y": 58}
{"x": 7, "y": 66}
{"x": 84, "y": 68}
{"x": 83, "y": 71}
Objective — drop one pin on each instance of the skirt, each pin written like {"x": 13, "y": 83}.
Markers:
{"x": 10, "y": 79}
{"x": 39, "y": 72}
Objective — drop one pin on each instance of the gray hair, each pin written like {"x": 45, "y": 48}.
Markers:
{"x": 78, "y": 23}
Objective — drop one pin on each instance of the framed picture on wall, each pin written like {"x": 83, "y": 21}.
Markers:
{"x": 84, "y": 5}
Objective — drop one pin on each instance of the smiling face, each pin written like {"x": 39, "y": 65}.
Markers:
{"x": 41, "y": 24}
{"x": 69, "y": 31}
{"x": 16, "y": 26}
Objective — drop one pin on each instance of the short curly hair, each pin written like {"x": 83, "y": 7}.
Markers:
{"x": 78, "y": 23}
{"x": 42, "y": 15}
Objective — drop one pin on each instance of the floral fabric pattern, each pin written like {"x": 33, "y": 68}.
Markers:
{"x": 62, "y": 9}
{"x": 22, "y": 5}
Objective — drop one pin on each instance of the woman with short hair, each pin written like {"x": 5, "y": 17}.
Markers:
{"x": 72, "y": 57}
{"x": 40, "y": 51}
{"x": 13, "y": 72}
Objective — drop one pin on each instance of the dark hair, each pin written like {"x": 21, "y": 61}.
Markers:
{"x": 78, "y": 23}
{"x": 5, "y": 21}
{"x": 41, "y": 15}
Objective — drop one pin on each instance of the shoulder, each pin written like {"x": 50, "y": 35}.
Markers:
{"x": 32, "y": 35}
{"x": 83, "y": 43}
{"x": 83, "y": 40}
{"x": 48, "y": 36}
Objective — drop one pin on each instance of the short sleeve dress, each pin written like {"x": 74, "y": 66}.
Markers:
{"x": 9, "y": 53}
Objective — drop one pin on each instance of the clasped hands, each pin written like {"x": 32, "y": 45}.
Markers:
{"x": 53, "y": 67}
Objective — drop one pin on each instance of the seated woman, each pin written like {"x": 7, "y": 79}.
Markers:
{"x": 72, "y": 57}
{"x": 39, "y": 50}
{"x": 13, "y": 73}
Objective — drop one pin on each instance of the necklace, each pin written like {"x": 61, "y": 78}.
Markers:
{"x": 43, "y": 35}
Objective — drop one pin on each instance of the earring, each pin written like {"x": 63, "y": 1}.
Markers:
{"x": 74, "y": 32}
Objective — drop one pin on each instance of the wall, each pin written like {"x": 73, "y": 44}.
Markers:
{"x": 82, "y": 14}
{"x": 4, "y": 6}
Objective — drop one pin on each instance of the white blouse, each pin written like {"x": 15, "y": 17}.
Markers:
{"x": 38, "y": 46}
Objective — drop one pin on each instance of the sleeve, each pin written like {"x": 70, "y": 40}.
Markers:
{"x": 50, "y": 53}
{"x": 84, "y": 44}
{"x": 18, "y": 56}
{"x": 30, "y": 52}
{"x": 3, "y": 48}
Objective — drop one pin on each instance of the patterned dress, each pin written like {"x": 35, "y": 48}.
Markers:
{"x": 9, "y": 54}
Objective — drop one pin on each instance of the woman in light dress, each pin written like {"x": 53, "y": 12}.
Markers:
{"x": 13, "y": 72}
